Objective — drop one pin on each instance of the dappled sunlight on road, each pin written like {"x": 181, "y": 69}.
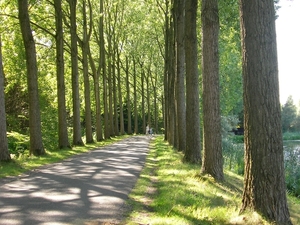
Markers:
{"x": 91, "y": 186}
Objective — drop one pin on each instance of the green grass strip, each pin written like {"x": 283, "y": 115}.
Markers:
{"x": 171, "y": 192}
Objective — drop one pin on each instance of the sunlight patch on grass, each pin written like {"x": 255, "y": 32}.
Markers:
{"x": 183, "y": 196}
{"x": 249, "y": 218}
{"x": 294, "y": 204}
{"x": 169, "y": 221}
{"x": 186, "y": 194}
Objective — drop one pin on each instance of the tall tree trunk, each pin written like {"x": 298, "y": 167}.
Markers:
{"x": 87, "y": 95}
{"x": 115, "y": 97}
{"x": 115, "y": 92}
{"x": 122, "y": 130}
{"x": 148, "y": 97}
{"x": 103, "y": 71}
{"x": 143, "y": 98}
{"x": 4, "y": 153}
{"x": 264, "y": 181}
{"x": 193, "y": 143}
{"x": 154, "y": 84}
{"x": 105, "y": 102}
{"x": 171, "y": 86}
{"x": 63, "y": 139}
{"x": 212, "y": 139}
{"x": 180, "y": 74}
{"x": 99, "y": 134}
{"x": 166, "y": 69}
{"x": 129, "y": 128}
{"x": 136, "y": 128}
{"x": 174, "y": 59}
{"x": 110, "y": 86}
{"x": 155, "y": 110}
{"x": 36, "y": 144}
{"x": 96, "y": 79}
{"x": 77, "y": 140}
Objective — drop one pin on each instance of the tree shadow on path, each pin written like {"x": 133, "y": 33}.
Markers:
{"x": 88, "y": 187}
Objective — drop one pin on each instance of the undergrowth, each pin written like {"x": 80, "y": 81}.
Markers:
{"x": 291, "y": 136}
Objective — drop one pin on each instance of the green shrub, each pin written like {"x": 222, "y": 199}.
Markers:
{"x": 292, "y": 169}
{"x": 291, "y": 136}
{"x": 233, "y": 148}
{"x": 17, "y": 143}
{"x": 233, "y": 153}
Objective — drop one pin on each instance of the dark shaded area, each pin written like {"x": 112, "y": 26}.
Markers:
{"x": 238, "y": 131}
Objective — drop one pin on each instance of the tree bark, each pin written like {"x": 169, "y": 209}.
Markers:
{"x": 129, "y": 128}
{"x": 96, "y": 79}
{"x": 110, "y": 85}
{"x": 4, "y": 153}
{"x": 212, "y": 139}
{"x": 143, "y": 98}
{"x": 171, "y": 86}
{"x": 103, "y": 71}
{"x": 36, "y": 144}
{"x": 86, "y": 80}
{"x": 264, "y": 181}
{"x": 155, "y": 97}
{"x": 122, "y": 129}
{"x": 193, "y": 143}
{"x": 99, "y": 133}
{"x": 63, "y": 139}
{"x": 166, "y": 69}
{"x": 148, "y": 97}
{"x": 180, "y": 75}
{"x": 77, "y": 140}
{"x": 136, "y": 129}
{"x": 115, "y": 98}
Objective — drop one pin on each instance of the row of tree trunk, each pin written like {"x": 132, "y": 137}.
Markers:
{"x": 264, "y": 183}
{"x": 108, "y": 68}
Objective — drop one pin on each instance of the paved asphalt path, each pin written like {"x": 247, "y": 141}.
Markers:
{"x": 90, "y": 188}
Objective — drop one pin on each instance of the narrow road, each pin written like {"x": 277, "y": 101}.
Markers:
{"x": 90, "y": 188}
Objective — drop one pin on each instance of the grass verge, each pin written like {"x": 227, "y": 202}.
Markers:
{"x": 24, "y": 162}
{"x": 171, "y": 192}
